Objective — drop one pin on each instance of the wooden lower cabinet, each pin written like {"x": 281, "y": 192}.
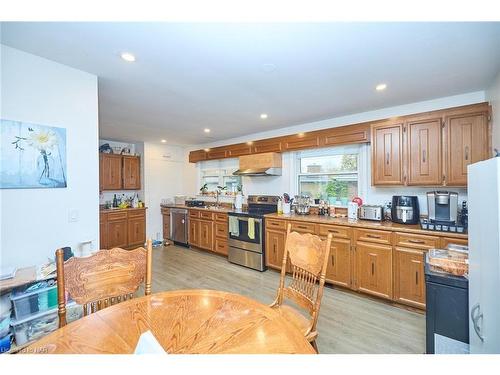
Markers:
{"x": 122, "y": 228}
{"x": 117, "y": 233}
{"x": 409, "y": 276}
{"x": 194, "y": 232}
{"x": 275, "y": 248}
{"x": 374, "y": 269}
{"x": 136, "y": 231}
{"x": 221, "y": 246}
{"x": 338, "y": 270}
{"x": 206, "y": 235}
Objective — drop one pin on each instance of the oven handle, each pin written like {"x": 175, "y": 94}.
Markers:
{"x": 246, "y": 219}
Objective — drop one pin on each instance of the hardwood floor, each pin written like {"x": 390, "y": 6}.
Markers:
{"x": 348, "y": 323}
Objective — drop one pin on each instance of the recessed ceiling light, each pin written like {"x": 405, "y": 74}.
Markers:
{"x": 263, "y": 116}
{"x": 127, "y": 56}
{"x": 381, "y": 86}
{"x": 163, "y": 141}
{"x": 206, "y": 130}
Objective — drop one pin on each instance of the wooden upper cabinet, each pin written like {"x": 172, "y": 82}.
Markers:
{"x": 267, "y": 145}
{"x": 387, "y": 154}
{"x": 198, "y": 155}
{"x": 216, "y": 153}
{"x": 468, "y": 142}
{"x": 131, "y": 172}
{"x": 110, "y": 172}
{"x": 423, "y": 152}
{"x": 238, "y": 150}
{"x": 301, "y": 141}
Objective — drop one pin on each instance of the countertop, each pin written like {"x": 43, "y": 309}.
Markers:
{"x": 121, "y": 209}
{"x": 384, "y": 225}
{"x": 207, "y": 208}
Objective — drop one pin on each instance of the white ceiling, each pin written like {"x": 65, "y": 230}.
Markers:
{"x": 188, "y": 77}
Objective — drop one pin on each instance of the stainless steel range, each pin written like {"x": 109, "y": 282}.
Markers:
{"x": 246, "y": 232}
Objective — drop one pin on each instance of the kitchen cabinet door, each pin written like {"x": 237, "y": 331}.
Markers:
{"x": 374, "y": 269}
{"x": 166, "y": 227}
{"x": 409, "y": 277}
{"x": 131, "y": 172}
{"x": 194, "y": 232}
{"x": 338, "y": 270}
{"x": 206, "y": 235}
{"x": 275, "y": 248}
{"x": 423, "y": 150}
{"x": 467, "y": 143}
{"x": 110, "y": 171}
{"x": 387, "y": 154}
{"x": 136, "y": 231}
{"x": 117, "y": 233}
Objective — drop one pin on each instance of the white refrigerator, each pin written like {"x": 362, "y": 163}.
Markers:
{"x": 484, "y": 256}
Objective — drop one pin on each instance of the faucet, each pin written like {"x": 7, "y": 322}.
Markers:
{"x": 218, "y": 192}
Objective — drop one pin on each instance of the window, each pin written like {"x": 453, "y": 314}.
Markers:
{"x": 329, "y": 174}
{"x": 220, "y": 173}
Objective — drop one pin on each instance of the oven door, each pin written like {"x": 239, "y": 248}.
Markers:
{"x": 242, "y": 240}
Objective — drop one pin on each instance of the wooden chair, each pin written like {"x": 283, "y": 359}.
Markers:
{"x": 102, "y": 279}
{"x": 308, "y": 256}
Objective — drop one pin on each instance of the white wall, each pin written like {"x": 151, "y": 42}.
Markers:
{"x": 371, "y": 195}
{"x": 164, "y": 177}
{"x": 34, "y": 222}
{"x": 493, "y": 96}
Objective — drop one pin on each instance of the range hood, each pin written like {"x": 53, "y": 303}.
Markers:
{"x": 267, "y": 164}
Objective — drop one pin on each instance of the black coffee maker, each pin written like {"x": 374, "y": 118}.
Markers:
{"x": 405, "y": 209}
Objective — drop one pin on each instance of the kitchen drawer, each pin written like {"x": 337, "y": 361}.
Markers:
{"x": 371, "y": 235}
{"x": 221, "y": 230}
{"x": 445, "y": 241}
{"x": 335, "y": 230}
{"x": 136, "y": 213}
{"x": 165, "y": 211}
{"x": 194, "y": 214}
{"x": 121, "y": 215}
{"x": 416, "y": 241}
{"x": 303, "y": 227}
{"x": 221, "y": 246}
{"x": 206, "y": 215}
{"x": 221, "y": 217}
{"x": 276, "y": 224}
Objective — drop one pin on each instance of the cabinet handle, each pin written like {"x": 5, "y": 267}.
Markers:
{"x": 416, "y": 278}
{"x": 423, "y": 156}
{"x": 416, "y": 241}
{"x": 466, "y": 153}
{"x": 387, "y": 158}
{"x": 372, "y": 236}
{"x": 333, "y": 261}
{"x": 332, "y": 231}
{"x": 373, "y": 268}
{"x": 301, "y": 226}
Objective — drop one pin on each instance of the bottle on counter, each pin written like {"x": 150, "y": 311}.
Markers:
{"x": 135, "y": 201}
{"x": 280, "y": 206}
{"x": 115, "y": 201}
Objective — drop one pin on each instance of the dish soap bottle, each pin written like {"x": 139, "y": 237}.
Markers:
{"x": 135, "y": 201}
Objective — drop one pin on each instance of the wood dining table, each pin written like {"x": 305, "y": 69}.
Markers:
{"x": 184, "y": 322}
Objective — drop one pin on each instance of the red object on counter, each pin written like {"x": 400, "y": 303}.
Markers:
{"x": 358, "y": 200}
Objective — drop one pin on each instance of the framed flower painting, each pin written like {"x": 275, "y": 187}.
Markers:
{"x": 32, "y": 156}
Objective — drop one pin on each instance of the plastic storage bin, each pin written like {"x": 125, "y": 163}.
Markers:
{"x": 36, "y": 326}
{"x": 28, "y": 302}
{"x": 5, "y": 343}
{"x": 448, "y": 261}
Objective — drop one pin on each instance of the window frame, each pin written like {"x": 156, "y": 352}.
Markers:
{"x": 358, "y": 149}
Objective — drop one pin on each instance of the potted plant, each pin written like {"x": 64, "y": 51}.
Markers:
{"x": 333, "y": 189}
{"x": 204, "y": 189}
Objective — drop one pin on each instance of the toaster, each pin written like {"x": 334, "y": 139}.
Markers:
{"x": 369, "y": 212}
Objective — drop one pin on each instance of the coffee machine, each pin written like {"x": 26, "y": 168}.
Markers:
{"x": 405, "y": 209}
{"x": 442, "y": 207}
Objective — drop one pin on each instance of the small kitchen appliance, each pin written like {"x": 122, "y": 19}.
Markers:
{"x": 443, "y": 207}
{"x": 352, "y": 211}
{"x": 371, "y": 212}
{"x": 405, "y": 209}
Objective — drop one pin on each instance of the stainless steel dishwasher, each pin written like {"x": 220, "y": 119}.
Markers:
{"x": 179, "y": 226}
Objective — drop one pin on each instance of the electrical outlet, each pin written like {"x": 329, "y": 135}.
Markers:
{"x": 73, "y": 216}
